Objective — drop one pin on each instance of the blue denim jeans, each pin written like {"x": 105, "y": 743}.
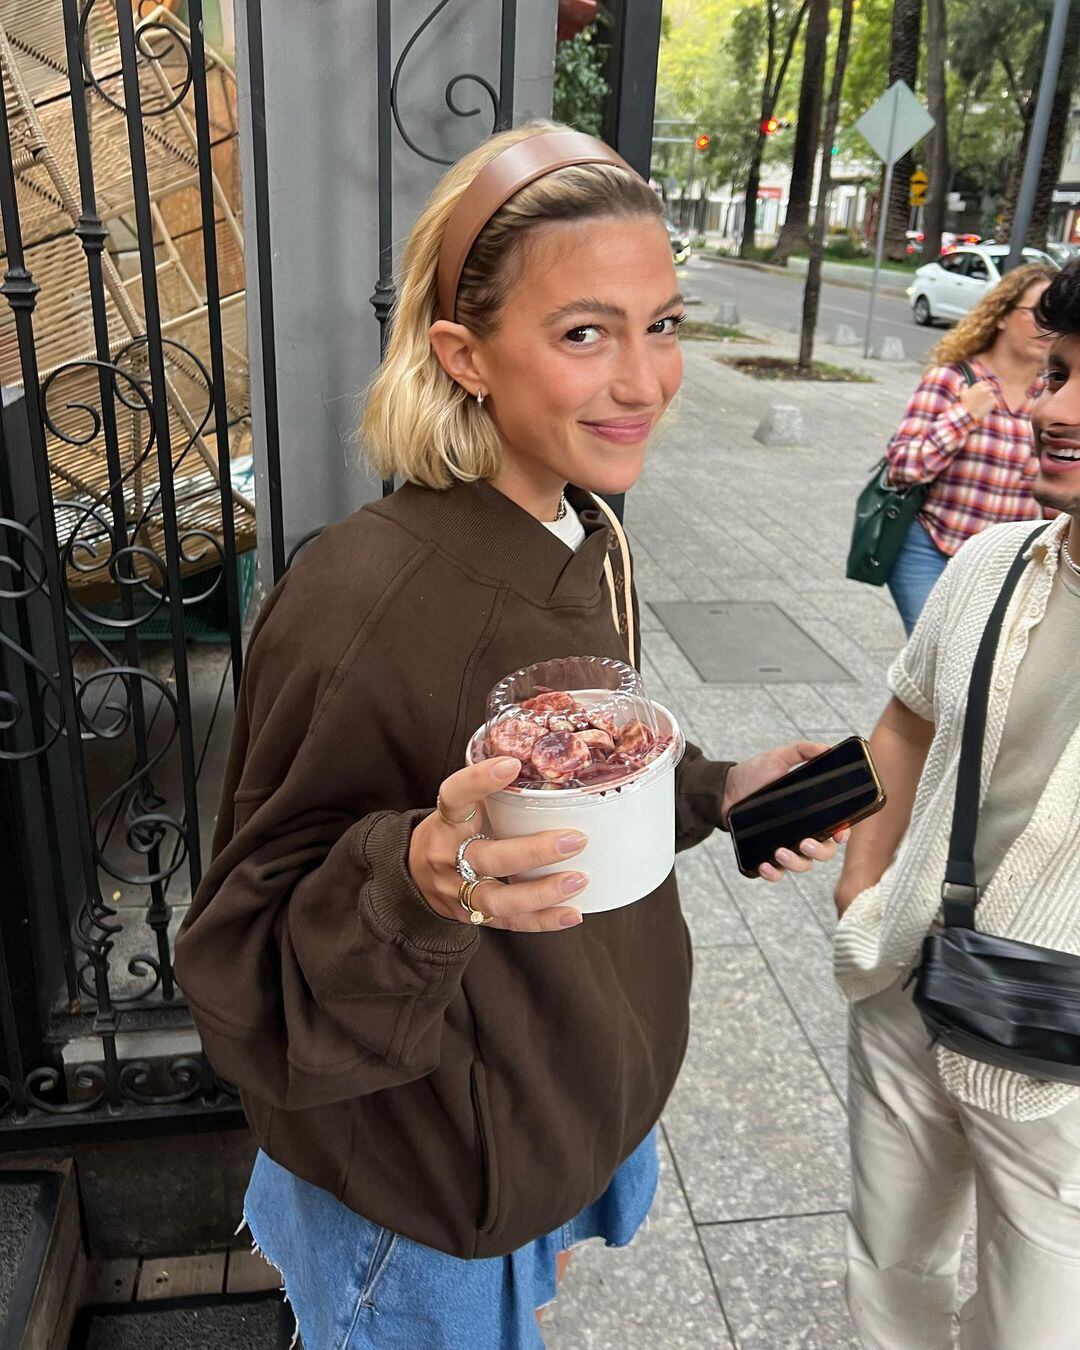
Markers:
{"x": 918, "y": 565}
{"x": 355, "y": 1286}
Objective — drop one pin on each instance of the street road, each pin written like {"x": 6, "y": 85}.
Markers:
{"x": 767, "y": 297}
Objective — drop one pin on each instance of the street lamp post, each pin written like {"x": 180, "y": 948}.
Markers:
{"x": 1029, "y": 182}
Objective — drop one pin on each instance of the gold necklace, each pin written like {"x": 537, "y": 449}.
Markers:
{"x": 561, "y": 512}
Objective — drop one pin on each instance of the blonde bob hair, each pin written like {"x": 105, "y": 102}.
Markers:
{"x": 978, "y": 329}
{"x": 418, "y": 423}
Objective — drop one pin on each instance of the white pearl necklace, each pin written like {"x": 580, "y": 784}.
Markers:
{"x": 1068, "y": 556}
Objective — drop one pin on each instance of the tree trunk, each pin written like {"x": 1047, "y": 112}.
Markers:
{"x": 938, "y": 174}
{"x": 812, "y": 289}
{"x": 903, "y": 65}
{"x": 795, "y": 233}
{"x": 1003, "y": 227}
{"x": 1057, "y": 134}
{"x": 753, "y": 182}
{"x": 770, "y": 94}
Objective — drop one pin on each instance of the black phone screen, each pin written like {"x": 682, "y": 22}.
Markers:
{"x": 815, "y": 799}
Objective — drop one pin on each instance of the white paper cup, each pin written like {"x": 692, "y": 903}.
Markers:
{"x": 631, "y": 828}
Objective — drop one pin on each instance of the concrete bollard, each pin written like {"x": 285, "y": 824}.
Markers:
{"x": 727, "y": 314}
{"x": 781, "y": 425}
{"x": 890, "y": 349}
{"x": 846, "y": 336}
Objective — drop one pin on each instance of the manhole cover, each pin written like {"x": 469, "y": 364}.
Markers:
{"x": 746, "y": 642}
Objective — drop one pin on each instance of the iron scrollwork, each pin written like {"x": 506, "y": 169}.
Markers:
{"x": 448, "y": 93}
{"x": 168, "y": 42}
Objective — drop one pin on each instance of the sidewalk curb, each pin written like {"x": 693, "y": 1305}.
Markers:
{"x": 885, "y": 287}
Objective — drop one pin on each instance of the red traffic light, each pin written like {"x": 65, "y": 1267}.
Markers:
{"x": 702, "y": 142}
{"x": 770, "y": 126}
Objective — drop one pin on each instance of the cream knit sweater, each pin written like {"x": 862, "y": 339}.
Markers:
{"x": 1035, "y": 893}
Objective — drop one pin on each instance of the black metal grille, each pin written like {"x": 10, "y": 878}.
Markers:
{"x": 120, "y": 522}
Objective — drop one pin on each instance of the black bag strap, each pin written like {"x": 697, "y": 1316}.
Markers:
{"x": 967, "y": 372}
{"x": 960, "y": 893}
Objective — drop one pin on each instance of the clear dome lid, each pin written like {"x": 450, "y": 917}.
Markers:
{"x": 577, "y": 722}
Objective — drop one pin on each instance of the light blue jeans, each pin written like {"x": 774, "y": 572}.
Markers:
{"x": 355, "y": 1286}
{"x": 918, "y": 565}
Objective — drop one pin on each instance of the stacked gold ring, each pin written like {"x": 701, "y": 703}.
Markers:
{"x": 465, "y": 895}
{"x": 446, "y": 819}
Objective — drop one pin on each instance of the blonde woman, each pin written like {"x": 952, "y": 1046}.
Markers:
{"x": 446, "y": 1101}
{"x": 967, "y": 432}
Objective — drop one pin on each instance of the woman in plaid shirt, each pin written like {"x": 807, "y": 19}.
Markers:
{"x": 971, "y": 441}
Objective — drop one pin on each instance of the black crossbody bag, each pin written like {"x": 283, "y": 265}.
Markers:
{"x": 996, "y": 1000}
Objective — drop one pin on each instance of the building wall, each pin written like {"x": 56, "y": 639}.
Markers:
{"x": 321, "y": 111}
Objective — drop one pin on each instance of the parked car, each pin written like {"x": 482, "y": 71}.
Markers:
{"x": 1063, "y": 253}
{"x": 680, "y": 243}
{"x": 949, "y": 287}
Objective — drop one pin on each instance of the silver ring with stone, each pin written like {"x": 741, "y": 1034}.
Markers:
{"x": 465, "y": 869}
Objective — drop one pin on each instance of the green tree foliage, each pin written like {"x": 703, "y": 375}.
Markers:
{"x": 580, "y": 86}
{"x": 995, "y": 50}
{"x": 711, "y": 62}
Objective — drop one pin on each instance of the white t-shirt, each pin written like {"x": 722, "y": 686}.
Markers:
{"x": 570, "y": 529}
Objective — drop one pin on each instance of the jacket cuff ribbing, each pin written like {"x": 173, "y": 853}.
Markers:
{"x": 392, "y": 897}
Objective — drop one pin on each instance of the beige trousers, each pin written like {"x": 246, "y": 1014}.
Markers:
{"x": 921, "y": 1163}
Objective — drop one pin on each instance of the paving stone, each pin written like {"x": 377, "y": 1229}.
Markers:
{"x": 802, "y": 704}
{"x": 710, "y": 912}
{"x": 799, "y": 956}
{"x": 754, "y": 1123}
{"x": 834, "y": 1057}
{"x": 781, "y": 1282}
{"x": 656, "y": 1292}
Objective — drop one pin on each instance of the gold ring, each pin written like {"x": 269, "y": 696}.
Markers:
{"x": 465, "y": 895}
{"x": 446, "y": 819}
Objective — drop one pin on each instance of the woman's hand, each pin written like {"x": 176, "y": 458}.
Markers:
{"x": 765, "y": 768}
{"x": 979, "y": 398}
{"x": 521, "y": 906}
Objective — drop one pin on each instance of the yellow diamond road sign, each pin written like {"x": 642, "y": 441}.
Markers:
{"x": 917, "y": 185}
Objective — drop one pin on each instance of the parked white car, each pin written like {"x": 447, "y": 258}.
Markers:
{"x": 948, "y": 288}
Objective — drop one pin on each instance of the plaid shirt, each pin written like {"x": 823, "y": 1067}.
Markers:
{"x": 981, "y": 471}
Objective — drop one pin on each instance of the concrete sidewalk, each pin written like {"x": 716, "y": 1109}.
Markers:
{"x": 744, "y": 1247}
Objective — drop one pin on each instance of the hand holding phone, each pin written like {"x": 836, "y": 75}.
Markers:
{"x": 834, "y": 790}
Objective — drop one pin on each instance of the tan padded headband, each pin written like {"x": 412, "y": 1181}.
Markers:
{"x": 510, "y": 171}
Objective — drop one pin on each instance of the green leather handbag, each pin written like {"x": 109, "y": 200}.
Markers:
{"x": 883, "y": 516}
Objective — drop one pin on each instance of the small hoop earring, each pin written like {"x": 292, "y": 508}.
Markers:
{"x": 480, "y": 398}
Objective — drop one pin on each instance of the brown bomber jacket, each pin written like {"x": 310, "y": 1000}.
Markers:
{"x": 470, "y": 1089}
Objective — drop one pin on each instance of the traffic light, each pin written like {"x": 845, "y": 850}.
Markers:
{"x": 771, "y": 126}
{"x": 702, "y": 142}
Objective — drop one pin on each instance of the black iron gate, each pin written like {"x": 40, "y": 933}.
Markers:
{"x": 127, "y": 524}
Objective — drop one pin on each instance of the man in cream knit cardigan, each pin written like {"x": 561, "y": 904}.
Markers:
{"x": 935, "y": 1135}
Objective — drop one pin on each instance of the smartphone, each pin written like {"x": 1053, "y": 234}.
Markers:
{"x": 835, "y": 789}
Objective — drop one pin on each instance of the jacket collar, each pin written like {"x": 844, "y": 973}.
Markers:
{"x": 487, "y": 533}
{"x": 1047, "y": 548}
